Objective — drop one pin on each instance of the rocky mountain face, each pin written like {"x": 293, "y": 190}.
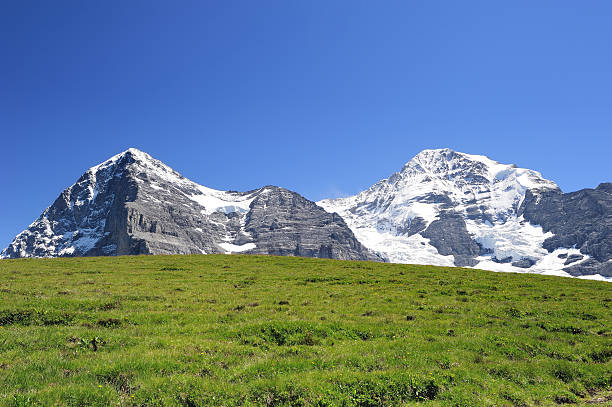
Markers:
{"x": 449, "y": 208}
{"x": 580, "y": 220}
{"x": 134, "y": 204}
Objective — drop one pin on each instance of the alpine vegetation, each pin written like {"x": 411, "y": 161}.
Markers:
{"x": 219, "y": 330}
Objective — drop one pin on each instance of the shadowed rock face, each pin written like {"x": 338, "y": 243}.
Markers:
{"x": 581, "y": 219}
{"x": 449, "y": 235}
{"x": 285, "y": 223}
{"x": 134, "y": 204}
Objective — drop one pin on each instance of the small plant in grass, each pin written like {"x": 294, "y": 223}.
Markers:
{"x": 444, "y": 364}
{"x": 93, "y": 343}
{"x": 565, "y": 398}
{"x": 110, "y": 322}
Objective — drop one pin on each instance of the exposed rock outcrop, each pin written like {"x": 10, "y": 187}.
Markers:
{"x": 581, "y": 220}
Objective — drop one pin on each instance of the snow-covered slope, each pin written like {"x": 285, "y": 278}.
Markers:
{"x": 449, "y": 208}
{"x": 135, "y": 204}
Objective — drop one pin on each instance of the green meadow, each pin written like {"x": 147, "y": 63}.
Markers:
{"x": 217, "y": 330}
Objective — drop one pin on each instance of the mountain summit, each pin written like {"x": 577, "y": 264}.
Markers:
{"x": 450, "y": 208}
{"x": 135, "y": 204}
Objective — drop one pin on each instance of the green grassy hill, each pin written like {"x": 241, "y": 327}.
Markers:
{"x": 257, "y": 330}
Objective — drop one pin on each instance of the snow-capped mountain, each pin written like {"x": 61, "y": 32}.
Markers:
{"x": 134, "y": 204}
{"x": 443, "y": 208}
{"x": 454, "y": 209}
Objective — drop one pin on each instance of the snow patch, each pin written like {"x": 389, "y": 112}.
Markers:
{"x": 597, "y": 277}
{"x": 515, "y": 239}
{"x": 414, "y": 249}
{"x": 232, "y": 248}
{"x": 222, "y": 201}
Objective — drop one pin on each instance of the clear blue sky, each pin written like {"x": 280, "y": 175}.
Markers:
{"x": 322, "y": 97}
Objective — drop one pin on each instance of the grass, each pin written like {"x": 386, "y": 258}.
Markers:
{"x": 275, "y": 331}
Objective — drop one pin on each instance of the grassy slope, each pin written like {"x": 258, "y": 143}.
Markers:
{"x": 256, "y": 330}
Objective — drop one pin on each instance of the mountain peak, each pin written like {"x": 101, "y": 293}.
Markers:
{"x": 450, "y": 165}
{"x": 437, "y": 151}
{"x": 436, "y": 159}
{"x": 438, "y": 194}
{"x": 133, "y": 150}
{"x": 134, "y": 153}
{"x": 135, "y": 204}
{"x": 137, "y": 155}
{"x": 135, "y": 161}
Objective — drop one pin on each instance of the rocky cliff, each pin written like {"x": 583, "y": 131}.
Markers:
{"x": 134, "y": 204}
{"x": 580, "y": 220}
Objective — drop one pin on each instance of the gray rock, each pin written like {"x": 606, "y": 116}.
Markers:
{"x": 284, "y": 223}
{"x": 449, "y": 235}
{"x": 412, "y": 226}
{"x": 573, "y": 258}
{"x": 590, "y": 267}
{"x": 524, "y": 262}
{"x": 504, "y": 260}
{"x": 581, "y": 219}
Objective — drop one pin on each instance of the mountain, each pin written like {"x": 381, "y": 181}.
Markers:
{"x": 134, "y": 204}
{"x": 443, "y": 208}
{"x": 454, "y": 209}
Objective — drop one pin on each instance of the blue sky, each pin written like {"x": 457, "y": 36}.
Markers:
{"x": 322, "y": 97}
